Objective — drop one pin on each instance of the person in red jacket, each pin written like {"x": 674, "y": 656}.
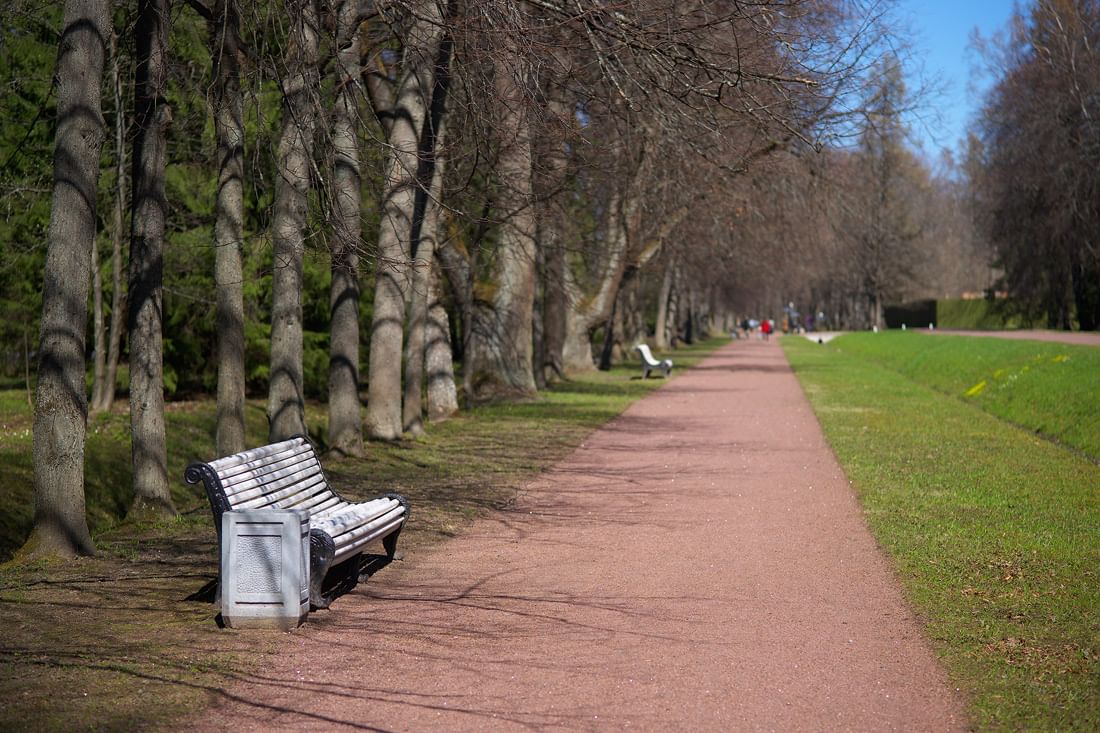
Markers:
{"x": 766, "y": 328}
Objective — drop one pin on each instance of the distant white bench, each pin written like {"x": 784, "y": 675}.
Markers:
{"x": 649, "y": 363}
{"x": 287, "y": 475}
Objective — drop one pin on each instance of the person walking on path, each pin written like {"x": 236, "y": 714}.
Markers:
{"x": 699, "y": 563}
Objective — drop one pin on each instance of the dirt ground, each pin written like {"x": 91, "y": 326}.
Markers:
{"x": 698, "y": 564}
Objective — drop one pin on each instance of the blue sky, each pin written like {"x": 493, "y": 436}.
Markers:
{"x": 941, "y": 38}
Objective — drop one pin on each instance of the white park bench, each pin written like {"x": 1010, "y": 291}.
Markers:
{"x": 649, "y": 363}
{"x": 287, "y": 475}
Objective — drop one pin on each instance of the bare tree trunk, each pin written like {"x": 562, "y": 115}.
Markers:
{"x": 498, "y": 355}
{"x": 27, "y": 366}
{"x": 551, "y": 170}
{"x": 344, "y": 420}
{"x": 118, "y": 214}
{"x": 441, "y": 392}
{"x": 632, "y": 313}
{"x": 661, "y": 330}
{"x": 555, "y": 304}
{"x": 400, "y": 183}
{"x": 425, "y": 234}
{"x": 627, "y": 253}
{"x": 286, "y": 401}
{"x": 60, "y": 414}
{"x": 538, "y": 316}
{"x": 608, "y": 340}
{"x": 147, "y": 431}
{"x": 585, "y": 314}
{"x": 99, "y": 333}
{"x": 103, "y": 390}
{"x": 229, "y": 228}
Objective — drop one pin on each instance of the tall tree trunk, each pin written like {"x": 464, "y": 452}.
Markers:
{"x": 344, "y": 419}
{"x": 587, "y": 313}
{"x": 627, "y": 253}
{"x": 108, "y": 342}
{"x": 551, "y": 170}
{"x": 608, "y": 341}
{"x": 60, "y": 414}
{"x": 400, "y": 184}
{"x": 661, "y": 330}
{"x": 149, "y": 445}
{"x": 229, "y": 227}
{"x": 425, "y": 233}
{"x": 498, "y": 355}
{"x": 286, "y": 401}
{"x": 99, "y": 332}
{"x": 441, "y": 391}
{"x": 118, "y": 213}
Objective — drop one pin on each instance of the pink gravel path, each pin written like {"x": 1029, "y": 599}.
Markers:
{"x": 700, "y": 563}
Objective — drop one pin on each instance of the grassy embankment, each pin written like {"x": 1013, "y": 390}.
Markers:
{"x": 976, "y": 463}
{"x": 980, "y": 314}
{"x": 111, "y": 642}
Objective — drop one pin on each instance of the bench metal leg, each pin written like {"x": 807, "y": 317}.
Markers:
{"x": 341, "y": 579}
{"x": 322, "y": 552}
{"x": 389, "y": 542}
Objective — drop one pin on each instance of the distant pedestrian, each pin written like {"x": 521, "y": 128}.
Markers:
{"x": 766, "y": 328}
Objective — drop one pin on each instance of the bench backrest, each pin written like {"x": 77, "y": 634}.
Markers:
{"x": 284, "y": 475}
{"x": 647, "y": 356}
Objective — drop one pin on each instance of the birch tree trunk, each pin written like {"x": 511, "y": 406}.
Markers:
{"x": 344, "y": 419}
{"x": 400, "y": 183}
{"x": 60, "y": 414}
{"x": 498, "y": 355}
{"x": 229, "y": 227}
{"x": 286, "y": 402}
{"x": 147, "y": 432}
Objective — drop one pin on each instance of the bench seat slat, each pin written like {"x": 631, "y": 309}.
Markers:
{"x": 291, "y": 494}
{"x": 258, "y": 470}
{"x": 272, "y": 484}
{"x": 226, "y": 465}
{"x": 353, "y": 542}
{"x": 315, "y": 504}
{"x": 353, "y": 516}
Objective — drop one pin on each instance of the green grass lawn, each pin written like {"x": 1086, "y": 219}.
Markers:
{"x": 995, "y": 530}
{"x": 89, "y": 643}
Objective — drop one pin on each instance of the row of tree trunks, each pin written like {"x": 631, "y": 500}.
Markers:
{"x": 286, "y": 401}
{"x": 60, "y": 415}
{"x": 153, "y": 115}
{"x": 345, "y": 434}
